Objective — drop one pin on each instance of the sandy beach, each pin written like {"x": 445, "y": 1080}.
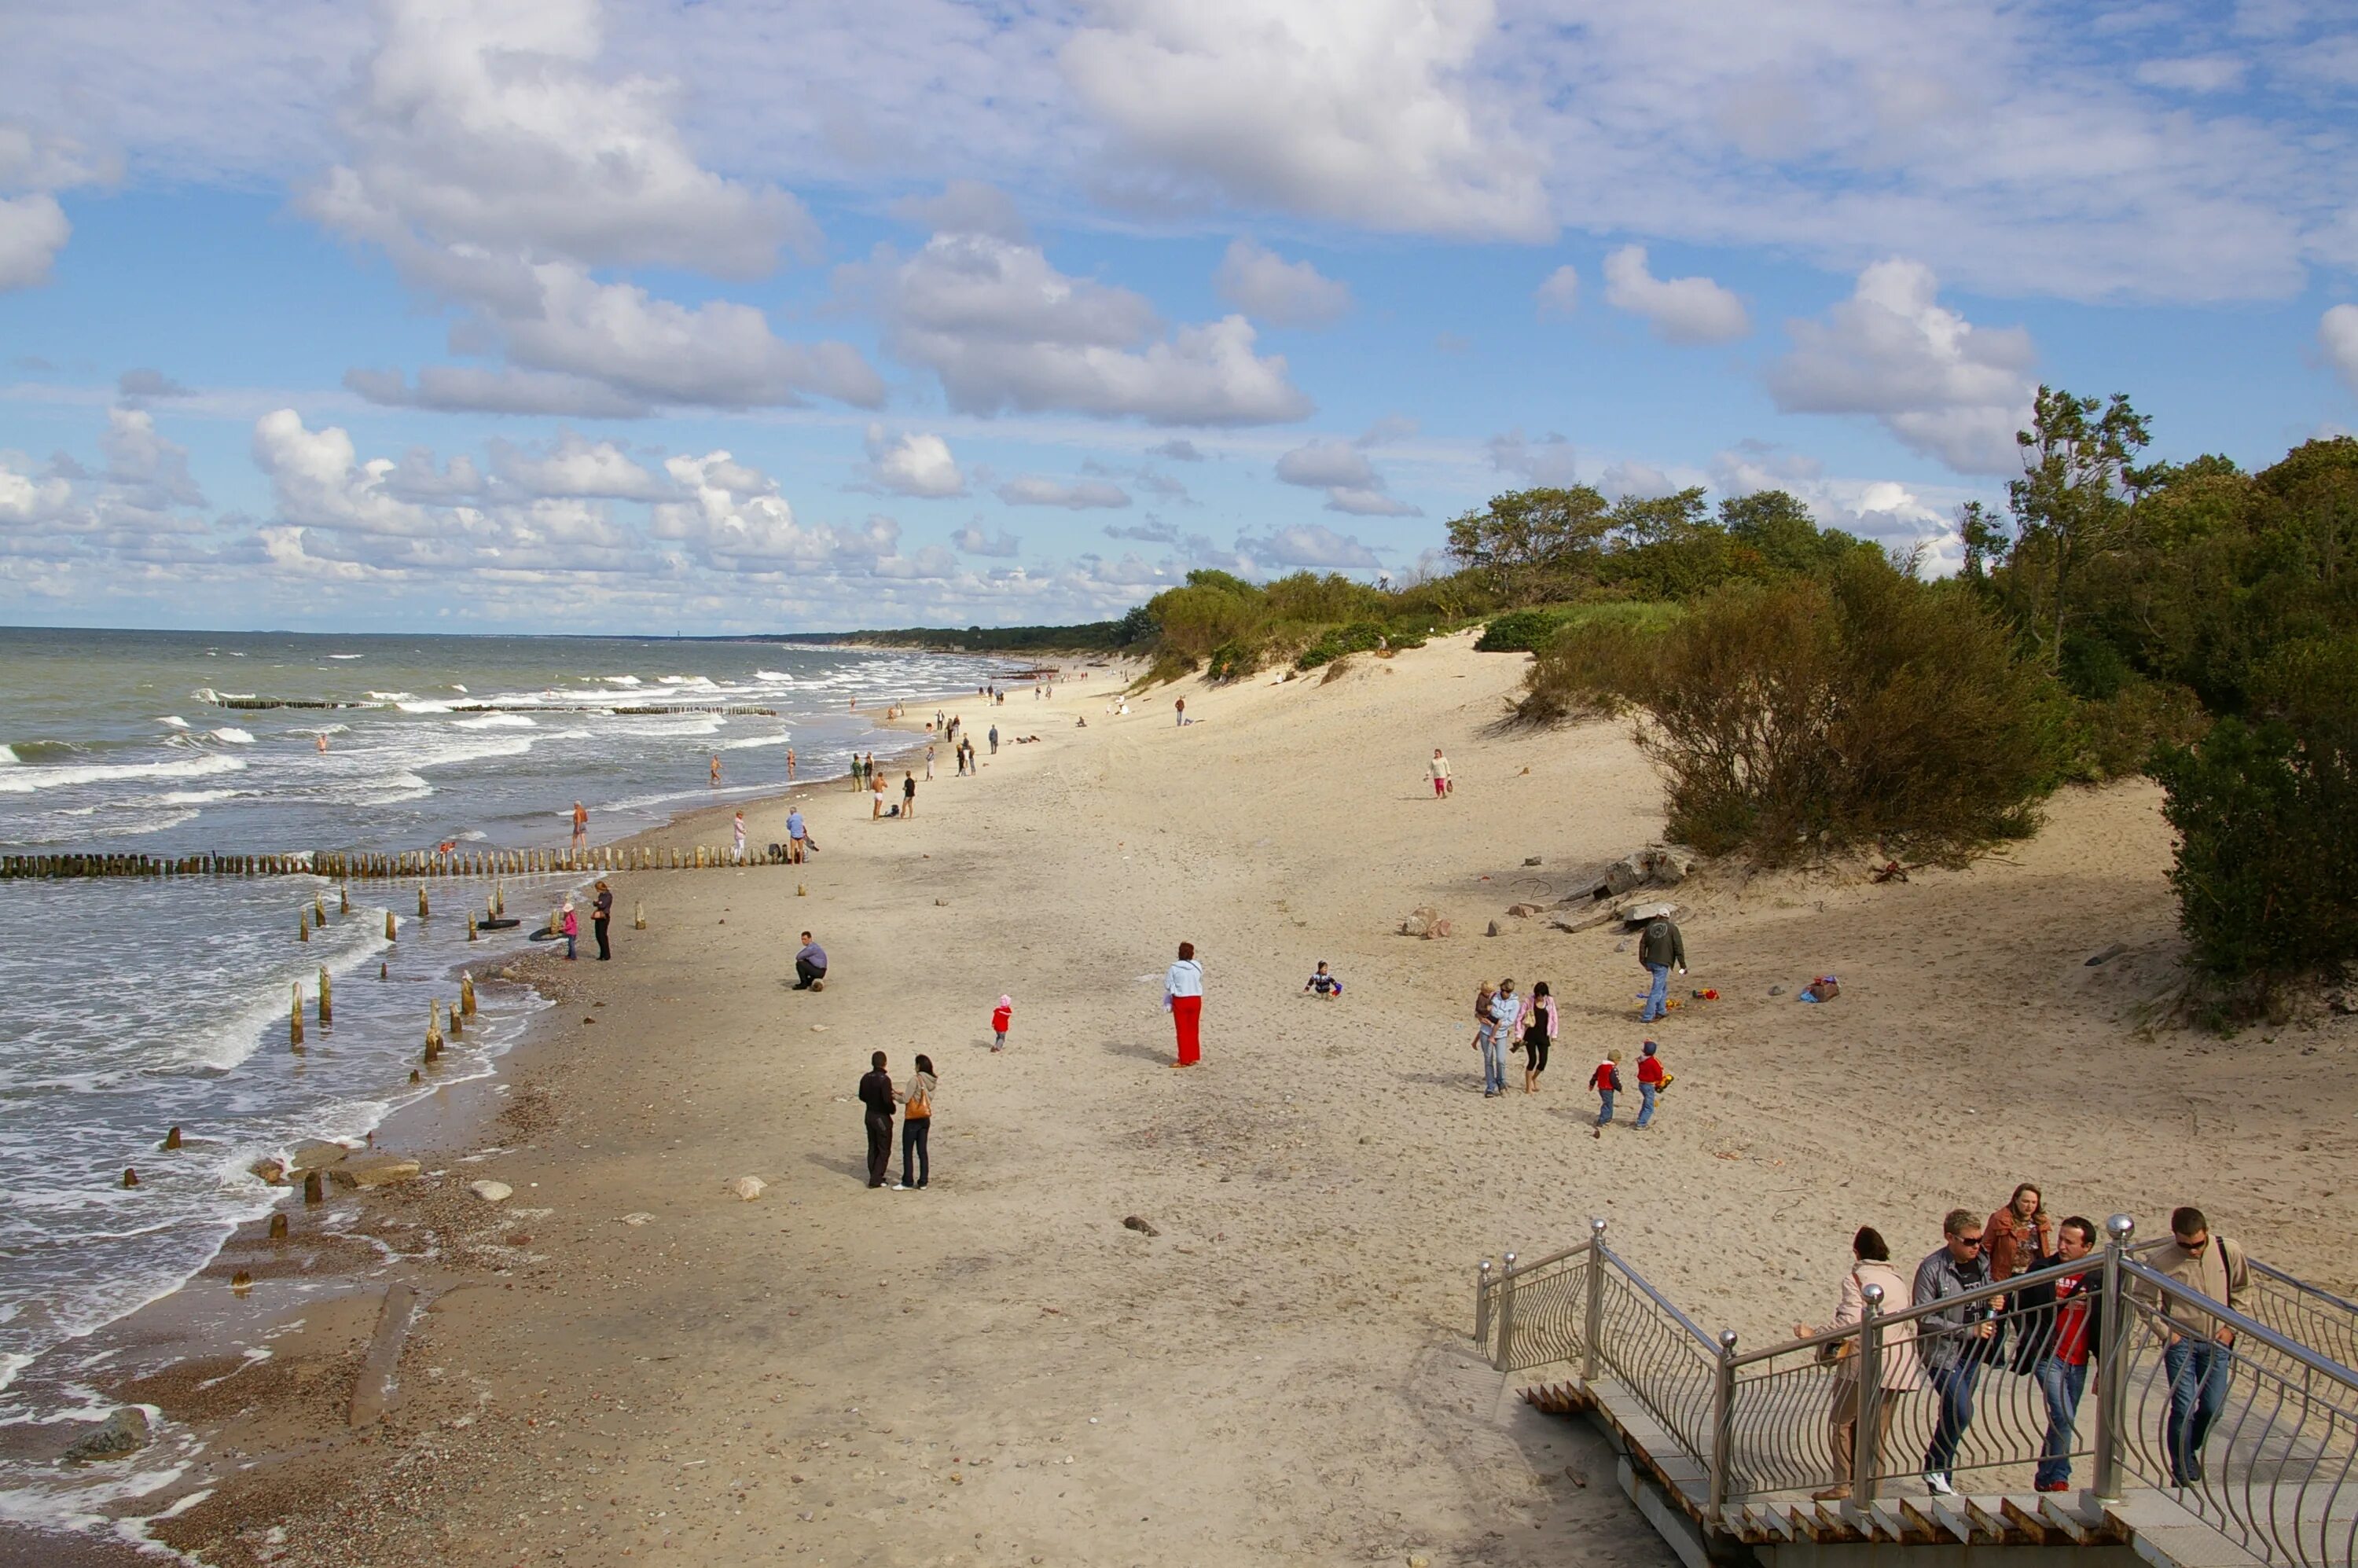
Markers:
{"x": 625, "y": 1361}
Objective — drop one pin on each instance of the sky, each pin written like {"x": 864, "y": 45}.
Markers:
{"x": 749, "y": 316}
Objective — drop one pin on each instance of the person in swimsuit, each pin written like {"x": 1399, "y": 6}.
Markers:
{"x": 1539, "y": 1033}
{"x": 908, "y": 796}
{"x": 580, "y": 826}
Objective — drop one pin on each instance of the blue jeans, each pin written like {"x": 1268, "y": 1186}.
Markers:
{"x": 1953, "y": 1386}
{"x": 2062, "y": 1383}
{"x": 1658, "y": 994}
{"x": 1494, "y": 1061}
{"x": 1645, "y": 1104}
{"x": 1604, "y": 1110}
{"x": 2199, "y": 1369}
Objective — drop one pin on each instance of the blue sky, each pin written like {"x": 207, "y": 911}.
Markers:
{"x": 554, "y": 315}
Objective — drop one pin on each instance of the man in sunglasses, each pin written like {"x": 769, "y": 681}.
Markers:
{"x": 1955, "y": 1341}
{"x": 2198, "y": 1350}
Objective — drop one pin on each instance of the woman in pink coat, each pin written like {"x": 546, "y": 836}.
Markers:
{"x": 1871, "y": 1265}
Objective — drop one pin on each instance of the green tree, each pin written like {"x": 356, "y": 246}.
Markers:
{"x": 2069, "y": 507}
{"x": 1528, "y": 540}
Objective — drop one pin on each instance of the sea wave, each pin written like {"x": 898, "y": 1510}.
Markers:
{"x": 496, "y": 721}
{"x": 429, "y": 705}
{"x": 620, "y": 680}
{"x": 174, "y": 721}
{"x": 348, "y": 655}
{"x": 390, "y": 696}
{"x": 751, "y": 740}
{"x": 233, "y": 735}
{"x": 774, "y": 676}
{"x": 26, "y": 780}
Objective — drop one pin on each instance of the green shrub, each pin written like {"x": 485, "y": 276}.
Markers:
{"x": 2266, "y": 816}
{"x": 2116, "y": 737}
{"x": 1863, "y": 707}
{"x": 1521, "y": 632}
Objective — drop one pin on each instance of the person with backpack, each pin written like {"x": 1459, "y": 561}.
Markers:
{"x": 2198, "y": 1353}
{"x": 1606, "y": 1081}
{"x": 1658, "y": 949}
{"x": 917, "y": 1127}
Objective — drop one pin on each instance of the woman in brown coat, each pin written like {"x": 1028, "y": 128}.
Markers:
{"x": 2021, "y": 1236}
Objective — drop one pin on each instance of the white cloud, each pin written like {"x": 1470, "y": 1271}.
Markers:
{"x": 483, "y": 124}
{"x": 1003, "y": 329}
{"x": 975, "y": 542}
{"x": 31, "y": 500}
{"x": 1630, "y": 477}
{"x": 574, "y": 466}
{"x": 33, "y": 230}
{"x": 147, "y": 381}
{"x": 150, "y": 472}
{"x": 1032, "y": 490}
{"x": 1681, "y": 310}
{"x": 1353, "y": 110}
{"x": 2194, "y": 73}
{"x": 474, "y": 389}
{"x": 735, "y": 517}
{"x": 2337, "y": 332}
{"x": 1890, "y": 514}
{"x": 1944, "y": 387}
{"x": 915, "y": 464}
{"x": 1548, "y": 461}
{"x": 1558, "y": 294}
{"x": 1310, "y": 544}
{"x": 1342, "y": 470}
{"x": 967, "y": 207}
{"x": 1262, "y": 283}
{"x": 1178, "y": 449}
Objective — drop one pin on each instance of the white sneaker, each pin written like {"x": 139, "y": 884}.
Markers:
{"x": 900, "y": 1186}
{"x": 1938, "y": 1485}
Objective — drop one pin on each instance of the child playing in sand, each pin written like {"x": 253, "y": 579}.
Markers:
{"x": 1651, "y": 1081}
{"x": 1325, "y": 984}
{"x": 1001, "y": 1017}
{"x": 1606, "y": 1082}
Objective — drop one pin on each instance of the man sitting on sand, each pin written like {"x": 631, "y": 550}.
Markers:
{"x": 810, "y": 965}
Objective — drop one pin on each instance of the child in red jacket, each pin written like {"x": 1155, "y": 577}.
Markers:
{"x": 1000, "y": 1016}
{"x": 1606, "y": 1082}
{"x": 1651, "y": 1081}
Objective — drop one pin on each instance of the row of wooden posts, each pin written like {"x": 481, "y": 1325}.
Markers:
{"x": 405, "y": 865}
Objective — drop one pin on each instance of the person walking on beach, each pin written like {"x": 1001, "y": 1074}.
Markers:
{"x": 875, "y": 797}
{"x": 796, "y": 832}
{"x": 572, "y": 927}
{"x": 716, "y": 770}
{"x": 908, "y": 794}
{"x": 1606, "y": 1081}
{"x": 1650, "y": 1079}
{"x": 1505, "y": 1016}
{"x": 2198, "y": 1353}
{"x": 876, "y": 1099}
{"x": 1954, "y": 1341}
{"x": 790, "y": 765}
{"x": 1002, "y": 1018}
{"x": 1441, "y": 781}
{"x": 994, "y": 739}
{"x": 810, "y": 965}
{"x": 601, "y": 915}
{"x": 737, "y": 832}
{"x": 580, "y": 827}
{"x": 1660, "y": 948}
{"x": 916, "y": 1128}
{"x": 1183, "y": 997}
{"x": 1870, "y": 1265}
{"x": 2021, "y": 1236}
{"x": 1539, "y": 1033}
{"x": 929, "y": 764}
{"x": 2058, "y": 1321}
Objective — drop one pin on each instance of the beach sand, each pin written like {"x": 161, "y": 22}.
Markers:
{"x": 996, "y": 1370}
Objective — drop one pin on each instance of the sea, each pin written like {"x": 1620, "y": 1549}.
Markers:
{"x": 131, "y": 1006}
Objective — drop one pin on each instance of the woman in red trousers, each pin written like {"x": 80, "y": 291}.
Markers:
{"x": 1183, "y": 996}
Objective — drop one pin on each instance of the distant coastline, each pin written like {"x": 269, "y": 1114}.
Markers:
{"x": 1093, "y": 637}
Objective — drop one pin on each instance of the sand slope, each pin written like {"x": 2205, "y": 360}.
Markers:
{"x": 996, "y": 1371}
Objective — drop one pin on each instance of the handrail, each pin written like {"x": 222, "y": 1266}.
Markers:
{"x": 2343, "y": 1303}
{"x": 2245, "y": 1327}
{"x": 1710, "y": 1345}
{"x": 2093, "y": 1263}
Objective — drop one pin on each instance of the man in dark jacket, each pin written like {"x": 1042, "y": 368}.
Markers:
{"x": 2055, "y": 1338}
{"x": 1952, "y": 1342}
{"x": 1657, "y": 949}
{"x": 876, "y": 1095}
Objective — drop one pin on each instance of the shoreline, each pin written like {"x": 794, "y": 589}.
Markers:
{"x": 173, "y": 1331}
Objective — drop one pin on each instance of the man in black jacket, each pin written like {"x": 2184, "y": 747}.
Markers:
{"x": 2056, "y": 1333}
{"x": 1954, "y": 1341}
{"x": 876, "y": 1095}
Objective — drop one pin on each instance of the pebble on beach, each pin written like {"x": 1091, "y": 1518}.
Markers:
{"x": 492, "y": 1192}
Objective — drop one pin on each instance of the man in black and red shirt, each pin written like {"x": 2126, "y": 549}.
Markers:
{"x": 2058, "y": 1336}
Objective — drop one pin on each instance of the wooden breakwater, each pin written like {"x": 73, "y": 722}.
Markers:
{"x": 409, "y": 865}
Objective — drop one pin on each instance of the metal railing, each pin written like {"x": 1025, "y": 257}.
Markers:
{"x": 2100, "y": 1374}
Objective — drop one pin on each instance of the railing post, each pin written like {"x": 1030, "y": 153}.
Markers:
{"x": 1593, "y": 1319}
{"x": 1505, "y": 1362}
{"x": 1867, "y": 1444}
{"x": 2113, "y": 1322}
{"x": 1723, "y": 1421}
{"x": 1482, "y": 1305}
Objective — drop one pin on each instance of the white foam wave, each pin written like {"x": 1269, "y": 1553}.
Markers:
{"x": 753, "y": 741}
{"x": 774, "y": 676}
{"x": 175, "y": 720}
{"x": 496, "y": 721}
{"x": 391, "y": 696}
{"x": 24, "y": 780}
{"x": 427, "y": 707}
{"x": 620, "y": 680}
{"x": 233, "y": 735}
{"x": 200, "y": 796}
{"x": 7, "y": 760}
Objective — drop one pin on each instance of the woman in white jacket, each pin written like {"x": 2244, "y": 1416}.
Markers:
{"x": 1871, "y": 1265}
